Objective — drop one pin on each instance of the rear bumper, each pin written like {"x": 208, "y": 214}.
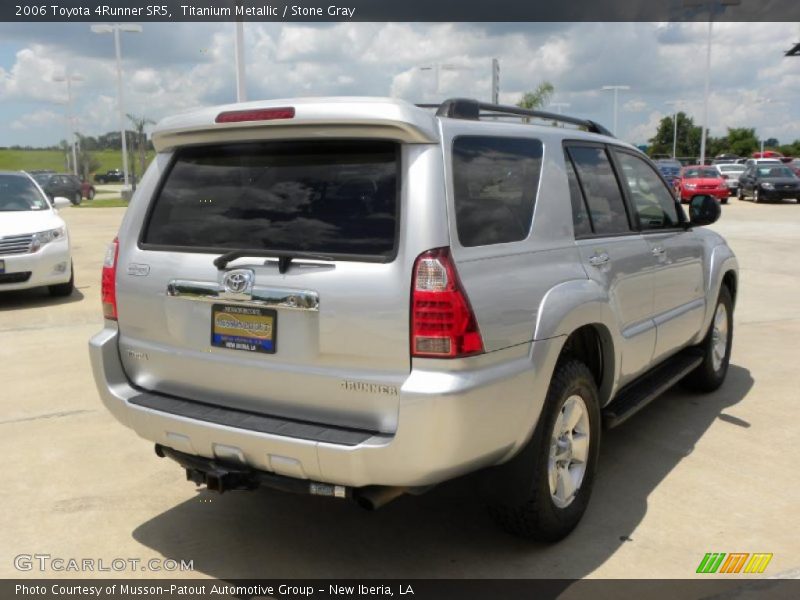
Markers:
{"x": 449, "y": 422}
{"x": 48, "y": 266}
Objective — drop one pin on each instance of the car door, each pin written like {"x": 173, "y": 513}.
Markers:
{"x": 613, "y": 253}
{"x": 747, "y": 179}
{"x": 677, "y": 254}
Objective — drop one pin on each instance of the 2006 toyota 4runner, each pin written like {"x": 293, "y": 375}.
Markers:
{"x": 359, "y": 297}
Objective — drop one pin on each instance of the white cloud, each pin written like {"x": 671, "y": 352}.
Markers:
{"x": 37, "y": 118}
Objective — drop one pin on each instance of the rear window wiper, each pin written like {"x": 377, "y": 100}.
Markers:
{"x": 283, "y": 258}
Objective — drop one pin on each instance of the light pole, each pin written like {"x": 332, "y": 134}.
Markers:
{"x": 559, "y": 105}
{"x": 437, "y": 68}
{"x": 616, "y": 89}
{"x": 711, "y": 4}
{"x": 241, "y": 92}
{"x": 675, "y": 104}
{"x": 115, "y": 29}
{"x": 70, "y": 122}
{"x": 762, "y": 101}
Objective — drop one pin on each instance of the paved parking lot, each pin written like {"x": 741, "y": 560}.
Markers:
{"x": 688, "y": 475}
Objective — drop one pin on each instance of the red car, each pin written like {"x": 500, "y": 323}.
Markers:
{"x": 700, "y": 180}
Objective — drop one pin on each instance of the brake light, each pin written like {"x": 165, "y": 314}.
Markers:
{"x": 259, "y": 114}
{"x": 443, "y": 323}
{"x": 108, "y": 281}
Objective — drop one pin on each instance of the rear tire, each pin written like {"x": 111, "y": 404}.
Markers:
{"x": 715, "y": 347}
{"x": 724, "y": 200}
{"x": 62, "y": 290}
{"x": 740, "y": 193}
{"x": 542, "y": 493}
{"x": 76, "y": 198}
{"x": 90, "y": 195}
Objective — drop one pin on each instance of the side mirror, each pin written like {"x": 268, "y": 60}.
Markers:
{"x": 704, "y": 210}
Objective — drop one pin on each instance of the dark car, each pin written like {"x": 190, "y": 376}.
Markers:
{"x": 112, "y": 176}
{"x": 769, "y": 181}
{"x": 65, "y": 185}
{"x": 670, "y": 168}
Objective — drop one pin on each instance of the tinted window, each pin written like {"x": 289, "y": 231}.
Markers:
{"x": 580, "y": 217}
{"x": 601, "y": 190}
{"x": 652, "y": 201}
{"x": 18, "y": 193}
{"x": 334, "y": 198}
{"x": 495, "y": 182}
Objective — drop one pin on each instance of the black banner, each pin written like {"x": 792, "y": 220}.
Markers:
{"x": 714, "y": 587}
{"x": 398, "y": 10}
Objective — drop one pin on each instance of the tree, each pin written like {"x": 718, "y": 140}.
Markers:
{"x": 742, "y": 141}
{"x": 539, "y": 97}
{"x": 688, "y": 137}
{"x": 87, "y": 161}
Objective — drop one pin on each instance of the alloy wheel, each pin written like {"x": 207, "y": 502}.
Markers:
{"x": 569, "y": 451}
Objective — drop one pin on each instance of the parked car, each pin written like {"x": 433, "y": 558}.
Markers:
{"x": 34, "y": 241}
{"x": 767, "y": 154}
{"x": 367, "y": 304}
{"x": 112, "y": 176}
{"x": 64, "y": 185}
{"x": 795, "y": 166}
{"x": 730, "y": 173}
{"x": 670, "y": 169}
{"x": 705, "y": 180}
{"x": 722, "y": 159}
{"x": 763, "y": 161}
{"x": 769, "y": 182}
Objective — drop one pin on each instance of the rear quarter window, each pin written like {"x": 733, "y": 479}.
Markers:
{"x": 337, "y": 198}
{"x": 495, "y": 182}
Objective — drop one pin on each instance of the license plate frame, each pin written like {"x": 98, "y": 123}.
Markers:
{"x": 247, "y": 328}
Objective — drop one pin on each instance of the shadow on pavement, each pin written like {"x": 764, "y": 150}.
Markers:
{"x": 445, "y": 533}
{"x": 35, "y": 298}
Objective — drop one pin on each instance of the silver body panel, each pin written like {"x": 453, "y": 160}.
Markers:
{"x": 343, "y": 338}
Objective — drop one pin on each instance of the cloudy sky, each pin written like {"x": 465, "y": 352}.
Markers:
{"x": 171, "y": 67}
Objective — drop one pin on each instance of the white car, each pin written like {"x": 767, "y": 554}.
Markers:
{"x": 34, "y": 242}
{"x": 730, "y": 173}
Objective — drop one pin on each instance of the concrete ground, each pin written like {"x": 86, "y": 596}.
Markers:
{"x": 686, "y": 476}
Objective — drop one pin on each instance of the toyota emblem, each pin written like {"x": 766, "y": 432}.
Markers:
{"x": 238, "y": 281}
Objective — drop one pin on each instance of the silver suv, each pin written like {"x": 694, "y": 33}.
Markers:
{"x": 360, "y": 298}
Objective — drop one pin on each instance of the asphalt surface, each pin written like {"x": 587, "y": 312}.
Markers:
{"x": 686, "y": 476}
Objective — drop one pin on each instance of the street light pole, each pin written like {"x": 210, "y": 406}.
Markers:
{"x": 616, "y": 89}
{"x": 674, "y": 103}
{"x": 115, "y": 29}
{"x": 70, "y": 117}
{"x": 241, "y": 92}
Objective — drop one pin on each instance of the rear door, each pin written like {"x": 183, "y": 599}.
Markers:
{"x": 613, "y": 253}
{"x": 679, "y": 302}
{"x": 317, "y": 327}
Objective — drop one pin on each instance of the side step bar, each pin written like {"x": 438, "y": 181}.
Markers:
{"x": 647, "y": 388}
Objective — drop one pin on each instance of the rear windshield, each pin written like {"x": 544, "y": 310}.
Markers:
{"x": 333, "y": 198}
{"x": 18, "y": 194}
{"x": 701, "y": 174}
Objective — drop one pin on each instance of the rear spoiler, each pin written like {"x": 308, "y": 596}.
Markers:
{"x": 385, "y": 119}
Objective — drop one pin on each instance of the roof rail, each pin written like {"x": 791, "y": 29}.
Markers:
{"x": 466, "y": 108}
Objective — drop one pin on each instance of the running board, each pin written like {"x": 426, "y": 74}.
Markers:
{"x": 649, "y": 386}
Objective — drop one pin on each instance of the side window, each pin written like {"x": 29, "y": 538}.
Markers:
{"x": 580, "y": 216}
{"x": 652, "y": 201}
{"x": 600, "y": 187}
{"x": 495, "y": 181}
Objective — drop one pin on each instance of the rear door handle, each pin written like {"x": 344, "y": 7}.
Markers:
{"x": 599, "y": 259}
{"x": 658, "y": 251}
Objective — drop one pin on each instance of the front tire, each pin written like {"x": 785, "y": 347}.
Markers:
{"x": 542, "y": 493}
{"x": 756, "y": 196}
{"x": 715, "y": 347}
{"x": 740, "y": 193}
{"x": 76, "y": 198}
{"x": 62, "y": 290}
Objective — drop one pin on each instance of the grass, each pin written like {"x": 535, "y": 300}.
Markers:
{"x": 28, "y": 160}
{"x": 104, "y": 203}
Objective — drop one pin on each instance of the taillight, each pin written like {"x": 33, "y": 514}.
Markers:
{"x": 258, "y": 114}
{"x": 108, "y": 281}
{"x": 443, "y": 324}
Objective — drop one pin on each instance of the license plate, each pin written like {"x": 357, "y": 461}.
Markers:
{"x": 244, "y": 328}
{"x": 2, "y": 266}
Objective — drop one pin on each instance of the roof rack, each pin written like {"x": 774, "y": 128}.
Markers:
{"x": 466, "y": 108}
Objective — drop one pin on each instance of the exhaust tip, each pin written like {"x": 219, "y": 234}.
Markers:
{"x": 374, "y": 496}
